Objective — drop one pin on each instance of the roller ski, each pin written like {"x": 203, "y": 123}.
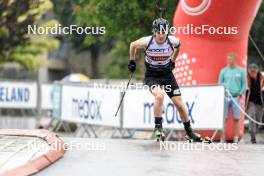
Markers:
{"x": 195, "y": 137}
{"x": 159, "y": 134}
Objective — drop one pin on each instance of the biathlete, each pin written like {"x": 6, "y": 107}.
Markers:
{"x": 161, "y": 51}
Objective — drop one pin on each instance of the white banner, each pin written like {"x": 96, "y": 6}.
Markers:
{"x": 46, "y": 96}
{"x": 205, "y": 106}
{"x": 90, "y": 105}
{"x": 18, "y": 95}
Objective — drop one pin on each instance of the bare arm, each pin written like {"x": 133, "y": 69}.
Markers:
{"x": 175, "y": 54}
{"x": 140, "y": 43}
{"x": 176, "y": 45}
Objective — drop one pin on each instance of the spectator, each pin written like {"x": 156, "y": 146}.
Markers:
{"x": 234, "y": 79}
{"x": 254, "y": 101}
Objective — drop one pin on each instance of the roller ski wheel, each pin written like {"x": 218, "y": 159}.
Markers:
{"x": 159, "y": 135}
{"x": 197, "y": 138}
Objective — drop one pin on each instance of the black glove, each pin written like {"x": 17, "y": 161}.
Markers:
{"x": 132, "y": 66}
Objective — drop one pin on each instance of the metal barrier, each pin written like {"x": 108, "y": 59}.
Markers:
{"x": 73, "y": 97}
{"x": 18, "y": 99}
{"x": 92, "y": 105}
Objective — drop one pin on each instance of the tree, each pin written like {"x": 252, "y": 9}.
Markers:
{"x": 125, "y": 21}
{"x": 257, "y": 33}
{"x": 16, "y": 44}
{"x": 67, "y": 12}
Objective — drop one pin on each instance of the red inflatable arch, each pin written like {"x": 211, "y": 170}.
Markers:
{"x": 203, "y": 54}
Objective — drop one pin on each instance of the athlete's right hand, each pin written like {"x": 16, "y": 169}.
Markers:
{"x": 132, "y": 66}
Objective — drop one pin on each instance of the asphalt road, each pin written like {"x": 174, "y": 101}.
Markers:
{"x": 119, "y": 157}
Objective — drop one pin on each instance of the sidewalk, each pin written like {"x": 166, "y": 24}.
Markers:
{"x": 25, "y": 152}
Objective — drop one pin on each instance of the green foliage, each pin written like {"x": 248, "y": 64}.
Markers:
{"x": 257, "y": 30}
{"x": 125, "y": 21}
{"x": 116, "y": 64}
{"x": 28, "y": 55}
{"x": 16, "y": 44}
{"x": 71, "y": 12}
{"x": 67, "y": 13}
{"x": 257, "y": 33}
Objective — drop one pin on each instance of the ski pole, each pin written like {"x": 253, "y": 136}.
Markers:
{"x": 131, "y": 75}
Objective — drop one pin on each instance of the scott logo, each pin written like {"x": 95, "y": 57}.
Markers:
{"x": 194, "y": 11}
{"x": 158, "y": 50}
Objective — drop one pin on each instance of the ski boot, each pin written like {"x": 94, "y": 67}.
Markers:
{"x": 195, "y": 137}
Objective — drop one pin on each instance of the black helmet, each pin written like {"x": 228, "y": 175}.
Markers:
{"x": 160, "y": 25}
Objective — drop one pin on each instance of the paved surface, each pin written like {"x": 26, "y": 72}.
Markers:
{"x": 119, "y": 157}
{"x": 17, "y": 150}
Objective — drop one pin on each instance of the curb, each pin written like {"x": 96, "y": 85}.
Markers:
{"x": 41, "y": 162}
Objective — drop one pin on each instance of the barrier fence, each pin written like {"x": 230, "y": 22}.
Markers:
{"x": 88, "y": 106}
